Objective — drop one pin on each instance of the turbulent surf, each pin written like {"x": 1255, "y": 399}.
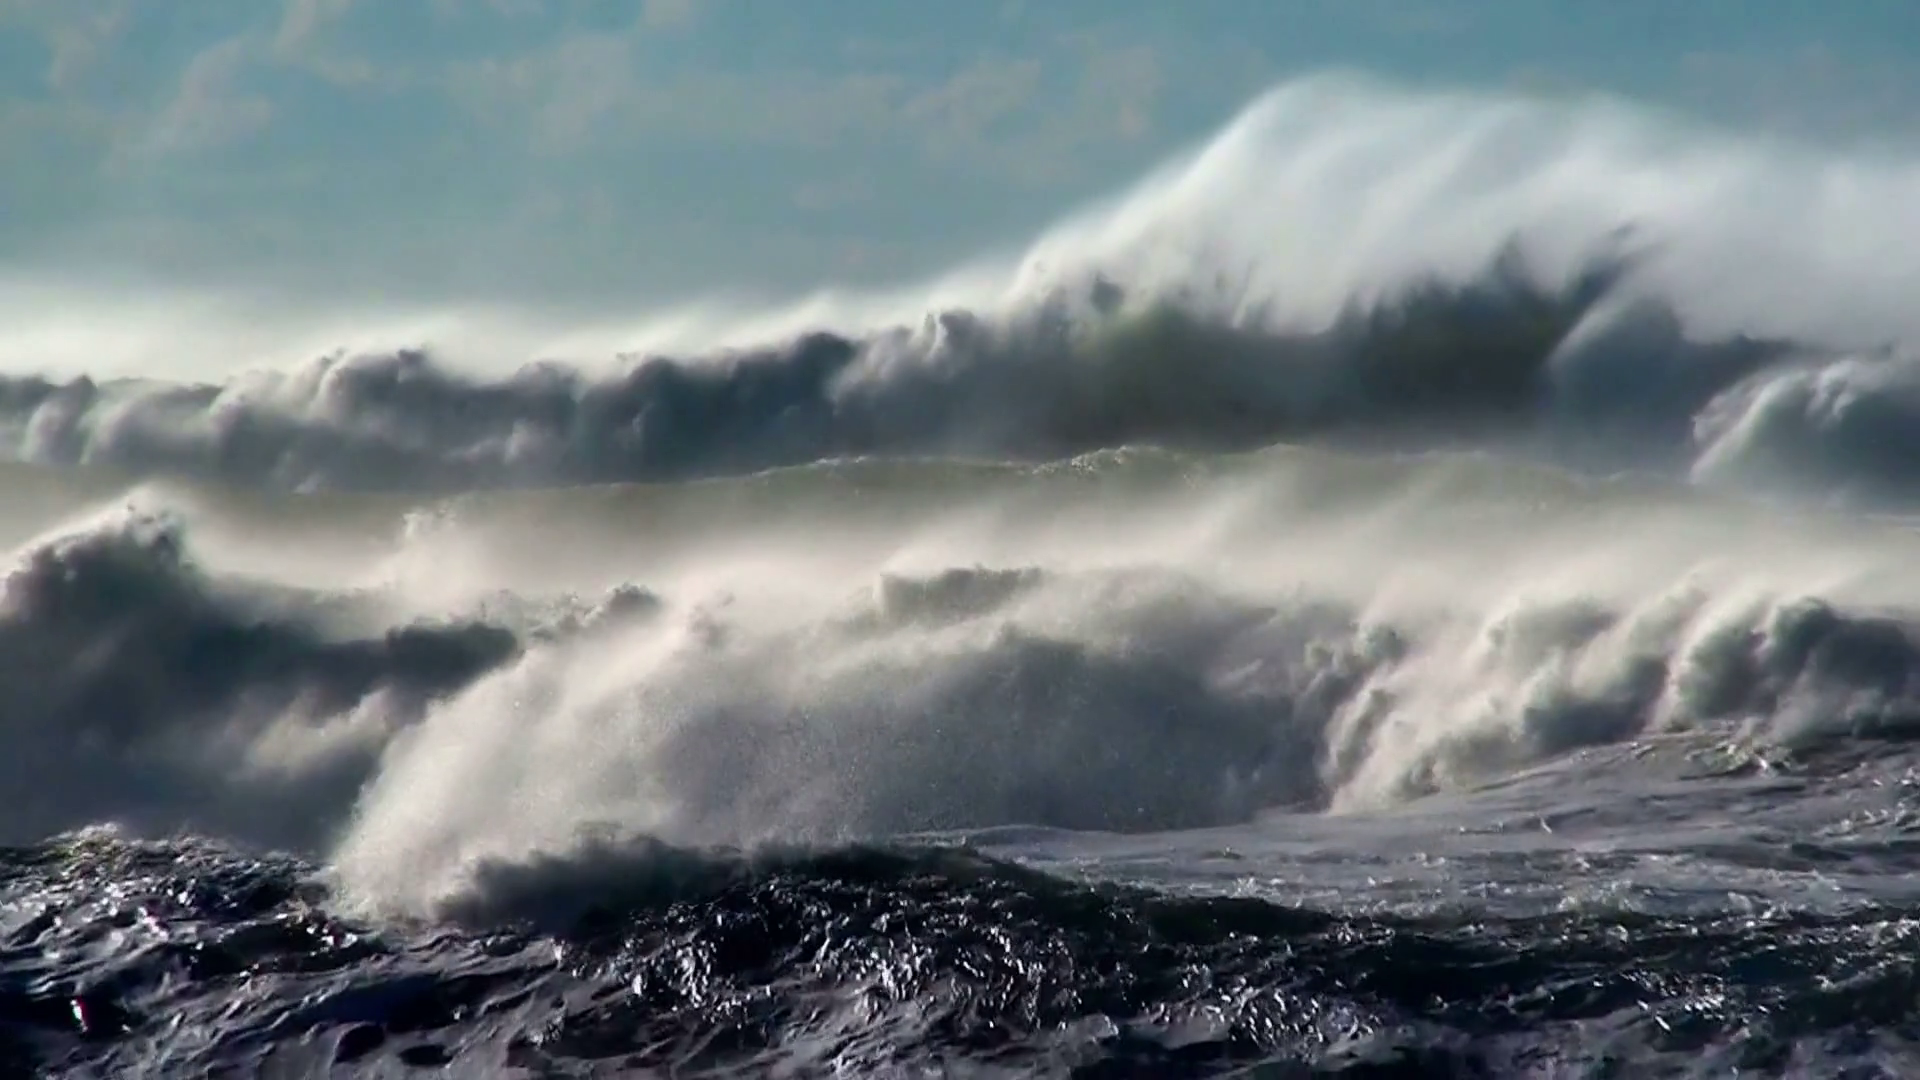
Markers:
{"x": 1421, "y": 586}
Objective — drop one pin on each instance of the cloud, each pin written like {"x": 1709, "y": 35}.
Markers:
{"x": 561, "y": 94}
{"x": 824, "y": 195}
{"x": 79, "y": 47}
{"x": 968, "y": 106}
{"x": 507, "y": 8}
{"x": 1416, "y": 18}
{"x": 302, "y": 19}
{"x": 1000, "y": 115}
{"x": 406, "y": 117}
{"x": 588, "y": 80}
{"x": 1812, "y": 90}
{"x": 664, "y": 14}
{"x": 1125, "y": 83}
{"x": 588, "y": 91}
{"x": 78, "y": 34}
{"x": 591, "y": 92}
{"x": 210, "y": 108}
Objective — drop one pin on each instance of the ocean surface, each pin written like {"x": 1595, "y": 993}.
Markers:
{"x": 1422, "y": 586}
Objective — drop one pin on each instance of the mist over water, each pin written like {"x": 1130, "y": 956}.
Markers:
{"x": 1409, "y": 528}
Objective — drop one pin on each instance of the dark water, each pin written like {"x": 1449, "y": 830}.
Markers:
{"x": 1703, "y": 918}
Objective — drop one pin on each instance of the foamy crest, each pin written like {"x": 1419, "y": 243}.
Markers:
{"x": 1345, "y": 260}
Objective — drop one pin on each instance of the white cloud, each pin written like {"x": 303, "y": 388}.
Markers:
{"x": 589, "y": 79}
{"x": 967, "y": 106}
{"x": 1416, "y": 18}
{"x": 996, "y": 115}
{"x": 509, "y": 8}
{"x": 211, "y": 107}
{"x": 593, "y": 91}
{"x": 78, "y": 34}
{"x": 1124, "y": 84}
{"x": 824, "y": 195}
{"x": 81, "y": 45}
{"x": 302, "y": 19}
{"x": 562, "y": 94}
{"x": 1810, "y": 91}
{"x": 589, "y": 90}
{"x": 663, "y": 14}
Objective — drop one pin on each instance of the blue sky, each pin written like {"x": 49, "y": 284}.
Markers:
{"x": 638, "y": 151}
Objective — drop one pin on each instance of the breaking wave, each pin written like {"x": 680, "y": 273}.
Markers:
{"x": 756, "y": 697}
{"x": 1343, "y": 262}
{"x": 1498, "y": 364}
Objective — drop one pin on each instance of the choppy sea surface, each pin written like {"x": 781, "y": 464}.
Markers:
{"x": 1513, "y": 671}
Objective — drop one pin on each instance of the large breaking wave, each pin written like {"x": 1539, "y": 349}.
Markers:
{"x": 1344, "y": 261}
{"x": 1218, "y": 655}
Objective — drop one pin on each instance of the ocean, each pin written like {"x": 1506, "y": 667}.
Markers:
{"x": 1421, "y": 586}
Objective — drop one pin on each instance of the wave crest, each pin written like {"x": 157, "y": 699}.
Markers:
{"x": 1344, "y": 260}
{"x": 1571, "y": 378}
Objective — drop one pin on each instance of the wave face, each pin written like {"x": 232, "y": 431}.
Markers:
{"x": 1309, "y": 614}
